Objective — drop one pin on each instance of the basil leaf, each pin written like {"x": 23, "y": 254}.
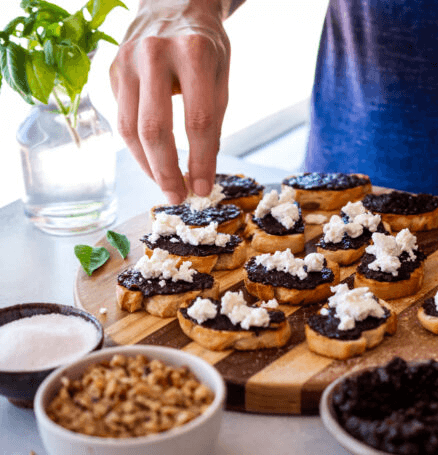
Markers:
{"x": 99, "y": 9}
{"x": 91, "y": 258}
{"x": 44, "y": 6}
{"x": 74, "y": 27}
{"x": 98, "y": 35}
{"x": 41, "y": 77}
{"x": 10, "y": 29}
{"x": 13, "y": 68}
{"x": 120, "y": 242}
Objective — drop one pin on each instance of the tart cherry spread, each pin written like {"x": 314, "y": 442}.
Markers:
{"x": 259, "y": 274}
{"x": 234, "y": 186}
{"x": 321, "y": 181}
{"x": 220, "y": 214}
{"x": 273, "y": 227}
{"x": 134, "y": 281}
{"x": 430, "y": 307}
{"x": 174, "y": 245}
{"x": 400, "y": 203}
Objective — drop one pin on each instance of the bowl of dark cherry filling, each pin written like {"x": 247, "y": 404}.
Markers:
{"x": 391, "y": 409}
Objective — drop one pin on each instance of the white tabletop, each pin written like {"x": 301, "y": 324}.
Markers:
{"x": 36, "y": 267}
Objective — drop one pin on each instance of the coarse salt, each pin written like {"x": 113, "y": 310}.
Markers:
{"x": 45, "y": 341}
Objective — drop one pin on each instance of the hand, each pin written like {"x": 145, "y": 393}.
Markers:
{"x": 170, "y": 49}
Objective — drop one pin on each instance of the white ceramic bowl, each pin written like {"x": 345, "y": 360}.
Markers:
{"x": 328, "y": 417}
{"x": 196, "y": 437}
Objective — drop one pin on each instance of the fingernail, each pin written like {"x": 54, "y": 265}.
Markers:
{"x": 173, "y": 198}
{"x": 201, "y": 187}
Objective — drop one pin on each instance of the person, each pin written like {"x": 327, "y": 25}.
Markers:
{"x": 374, "y": 104}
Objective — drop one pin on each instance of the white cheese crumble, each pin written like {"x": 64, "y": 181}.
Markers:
{"x": 160, "y": 265}
{"x": 353, "y": 305}
{"x": 358, "y": 219}
{"x": 199, "y": 203}
{"x": 103, "y": 310}
{"x": 282, "y": 207}
{"x": 233, "y": 305}
{"x": 436, "y": 301}
{"x": 273, "y": 303}
{"x": 387, "y": 249}
{"x": 285, "y": 261}
{"x": 165, "y": 225}
{"x": 315, "y": 218}
{"x": 202, "y": 310}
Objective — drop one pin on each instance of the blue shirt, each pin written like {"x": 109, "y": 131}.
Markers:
{"x": 375, "y": 98}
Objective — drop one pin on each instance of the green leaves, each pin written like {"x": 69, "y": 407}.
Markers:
{"x": 120, "y": 242}
{"x": 48, "y": 48}
{"x": 93, "y": 258}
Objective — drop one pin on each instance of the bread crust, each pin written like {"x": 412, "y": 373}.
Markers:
{"x": 205, "y": 264}
{"x": 388, "y": 290}
{"x": 420, "y": 222}
{"x": 293, "y": 296}
{"x": 345, "y": 349}
{"x": 246, "y": 203}
{"x": 242, "y": 340}
{"x": 263, "y": 242}
{"x": 428, "y": 322}
{"x": 164, "y": 306}
{"x": 329, "y": 199}
{"x": 343, "y": 257}
{"x": 226, "y": 227}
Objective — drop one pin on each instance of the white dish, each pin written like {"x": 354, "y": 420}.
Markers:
{"x": 196, "y": 437}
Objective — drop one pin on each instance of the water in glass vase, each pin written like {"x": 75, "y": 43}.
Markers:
{"x": 69, "y": 180}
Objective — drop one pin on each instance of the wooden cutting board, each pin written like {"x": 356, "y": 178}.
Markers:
{"x": 287, "y": 380}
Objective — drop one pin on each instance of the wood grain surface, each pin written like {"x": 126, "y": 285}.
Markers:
{"x": 287, "y": 380}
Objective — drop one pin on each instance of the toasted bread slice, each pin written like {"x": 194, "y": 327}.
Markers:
{"x": 162, "y": 305}
{"x": 343, "y": 257}
{"x": 345, "y": 349}
{"x": 293, "y": 296}
{"x": 313, "y": 199}
{"x": 419, "y": 222}
{"x": 392, "y": 289}
{"x": 276, "y": 335}
{"x": 427, "y": 321}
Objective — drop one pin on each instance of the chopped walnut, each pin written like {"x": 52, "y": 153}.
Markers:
{"x": 128, "y": 397}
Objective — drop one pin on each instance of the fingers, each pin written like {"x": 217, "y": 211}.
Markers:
{"x": 204, "y": 105}
{"x": 155, "y": 118}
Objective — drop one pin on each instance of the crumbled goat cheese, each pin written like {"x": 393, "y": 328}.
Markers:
{"x": 283, "y": 261}
{"x": 257, "y": 317}
{"x": 273, "y": 303}
{"x": 165, "y": 225}
{"x": 353, "y": 305}
{"x": 103, "y": 310}
{"x": 202, "y": 309}
{"x": 282, "y": 207}
{"x": 315, "y": 218}
{"x": 334, "y": 229}
{"x": 160, "y": 265}
{"x": 314, "y": 262}
{"x": 199, "y": 203}
{"x": 230, "y": 300}
{"x": 358, "y": 218}
{"x": 162, "y": 283}
{"x": 436, "y": 301}
{"x": 353, "y": 209}
{"x": 387, "y": 249}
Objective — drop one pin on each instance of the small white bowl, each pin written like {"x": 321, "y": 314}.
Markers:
{"x": 328, "y": 417}
{"x": 196, "y": 437}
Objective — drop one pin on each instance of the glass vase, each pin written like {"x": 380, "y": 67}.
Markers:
{"x": 69, "y": 174}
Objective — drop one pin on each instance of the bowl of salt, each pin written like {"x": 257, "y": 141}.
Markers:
{"x": 37, "y": 338}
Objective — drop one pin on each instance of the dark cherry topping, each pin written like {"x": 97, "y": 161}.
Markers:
{"x": 393, "y": 408}
{"x": 327, "y": 325}
{"x": 271, "y": 226}
{"x": 259, "y": 274}
{"x": 322, "y": 181}
{"x": 234, "y": 186}
{"x": 134, "y": 281}
{"x": 220, "y": 214}
{"x": 174, "y": 245}
{"x": 400, "y": 203}
{"x": 404, "y": 272}
{"x": 429, "y": 307}
{"x": 222, "y": 322}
